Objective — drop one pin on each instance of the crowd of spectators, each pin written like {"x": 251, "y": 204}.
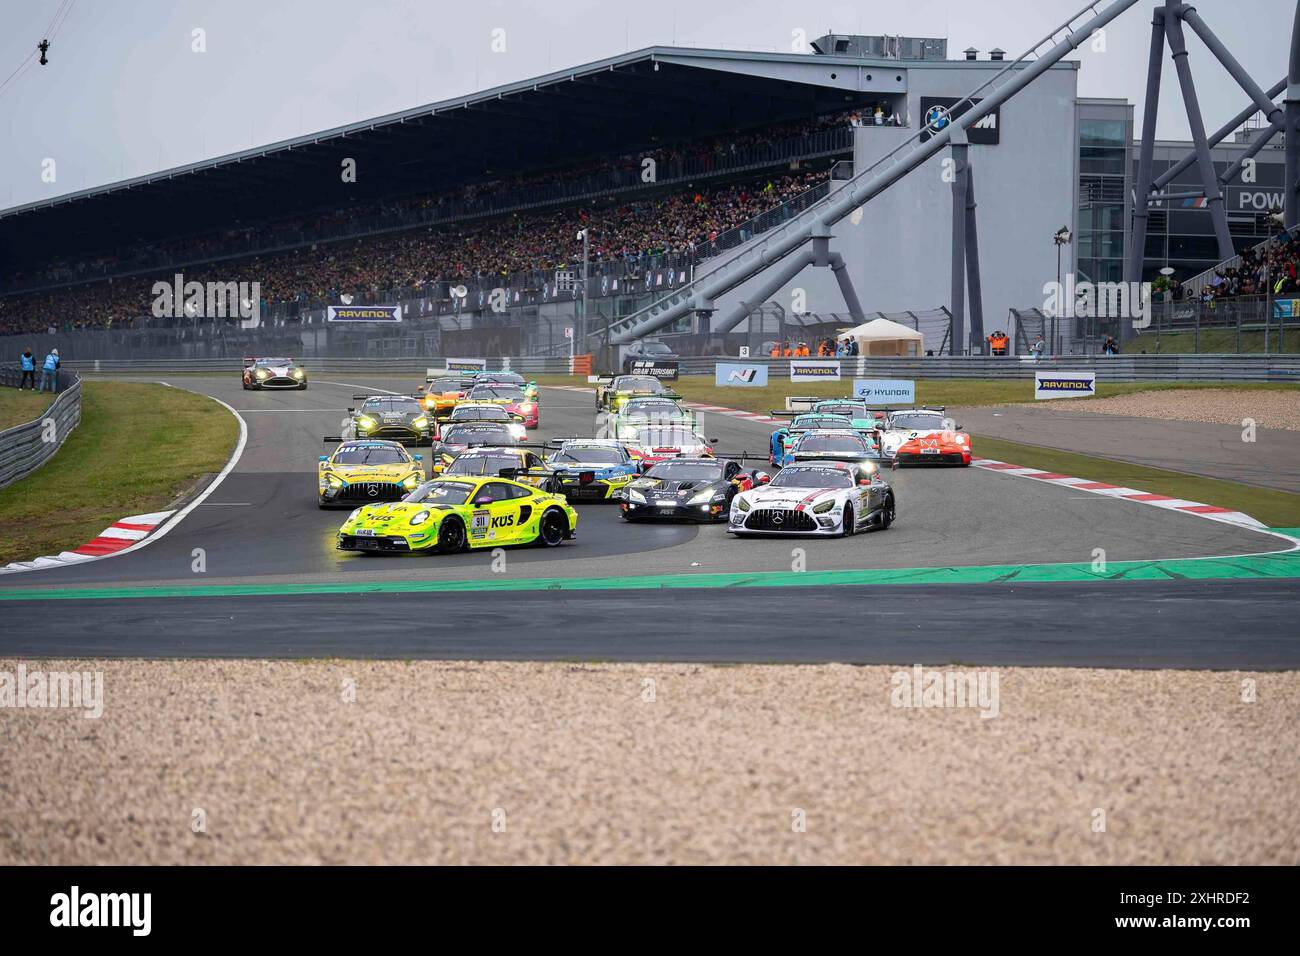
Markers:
{"x": 1272, "y": 268}
{"x": 677, "y": 223}
{"x": 705, "y": 155}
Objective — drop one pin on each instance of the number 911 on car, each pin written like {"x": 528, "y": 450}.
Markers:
{"x": 823, "y": 499}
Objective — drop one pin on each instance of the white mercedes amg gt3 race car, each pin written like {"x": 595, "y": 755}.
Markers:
{"x": 825, "y": 498}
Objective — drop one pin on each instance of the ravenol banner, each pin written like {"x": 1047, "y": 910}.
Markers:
{"x": 814, "y": 370}
{"x": 885, "y": 391}
{"x": 740, "y": 376}
{"x": 364, "y": 313}
{"x": 1064, "y": 384}
{"x": 466, "y": 364}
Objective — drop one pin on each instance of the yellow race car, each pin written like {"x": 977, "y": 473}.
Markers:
{"x": 519, "y": 464}
{"x": 447, "y": 515}
{"x": 367, "y": 470}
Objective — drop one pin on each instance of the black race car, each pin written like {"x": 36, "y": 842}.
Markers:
{"x": 392, "y": 417}
{"x": 688, "y": 489}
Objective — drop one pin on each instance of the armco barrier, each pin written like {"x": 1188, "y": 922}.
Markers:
{"x": 317, "y": 367}
{"x": 24, "y": 448}
{"x": 1113, "y": 368}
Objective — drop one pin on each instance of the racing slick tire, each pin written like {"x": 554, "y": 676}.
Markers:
{"x": 886, "y": 514}
{"x": 850, "y": 522}
{"x": 553, "y": 528}
{"x": 451, "y": 537}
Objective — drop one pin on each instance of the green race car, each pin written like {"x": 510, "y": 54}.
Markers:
{"x": 637, "y": 413}
{"x": 615, "y": 392}
{"x": 447, "y": 515}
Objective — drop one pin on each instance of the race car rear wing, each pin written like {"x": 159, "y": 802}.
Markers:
{"x": 557, "y": 443}
{"x": 800, "y": 403}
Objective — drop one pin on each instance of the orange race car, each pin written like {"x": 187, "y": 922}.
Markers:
{"x": 924, "y": 436}
{"x": 441, "y": 393}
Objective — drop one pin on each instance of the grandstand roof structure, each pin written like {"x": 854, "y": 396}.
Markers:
{"x": 636, "y": 100}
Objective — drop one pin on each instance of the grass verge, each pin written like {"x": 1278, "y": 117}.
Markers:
{"x": 137, "y": 448}
{"x": 19, "y": 407}
{"x": 1277, "y": 509}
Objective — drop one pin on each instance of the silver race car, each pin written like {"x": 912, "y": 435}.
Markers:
{"x": 824, "y": 498}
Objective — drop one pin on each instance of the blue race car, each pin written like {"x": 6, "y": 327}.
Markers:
{"x": 591, "y": 469}
{"x": 784, "y": 437}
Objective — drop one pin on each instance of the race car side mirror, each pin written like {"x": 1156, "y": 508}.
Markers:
{"x": 324, "y": 458}
{"x": 484, "y": 500}
{"x": 864, "y": 481}
{"x": 416, "y": 457}
{"x": 762, "y": 477}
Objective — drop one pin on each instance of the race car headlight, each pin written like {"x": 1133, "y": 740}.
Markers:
{"x": 824, "y": 507}
{"x": 963, "y": 439}
{"x": 706, "y": 495}
{"x": 261, "y": 373}
{"x": 742, "y": 504}
{"x": 420, "y": 518}
{"x": 353, "y": 517}
{"x": 335, "y": 481}
{"x": 365, "y": 421}
{"x": 411, "y": 481}
{"x": 634, "y": 495}
{"x": 299, "y": 373}
{"x": 527, "y": 408}
{"x": 420, "y": 423}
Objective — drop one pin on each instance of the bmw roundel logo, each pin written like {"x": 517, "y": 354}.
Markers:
{"x": 936, "y": 117}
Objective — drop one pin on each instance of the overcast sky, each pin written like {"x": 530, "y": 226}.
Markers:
{"x": 124, "y": 94}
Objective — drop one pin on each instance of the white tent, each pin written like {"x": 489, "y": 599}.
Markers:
{"x": 883, "y": 337}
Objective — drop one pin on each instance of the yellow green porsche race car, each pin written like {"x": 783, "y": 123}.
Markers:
{"x": 447, "y": 515}
{"x": 367, "y": 471}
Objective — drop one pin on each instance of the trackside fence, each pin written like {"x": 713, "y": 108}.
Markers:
{"x": 1109, "y": 368}
{"x": 24, "y": 448}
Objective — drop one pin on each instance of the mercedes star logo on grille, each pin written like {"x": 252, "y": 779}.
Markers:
{"x": 778, "y": 518}
{"x": 372, "y": 490}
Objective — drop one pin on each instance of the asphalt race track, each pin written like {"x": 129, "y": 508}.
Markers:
{"x": 262, "y": 525}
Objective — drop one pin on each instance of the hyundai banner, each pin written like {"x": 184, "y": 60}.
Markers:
{"x": 740, "y": 376}
{"x": 885, "y": 391}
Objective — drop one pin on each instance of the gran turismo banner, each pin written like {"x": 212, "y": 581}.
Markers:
{"x": 814, "y": 370}
{"x": 1064, "y": 384}
{"x": 364, "y": 313}
{"x": 667, "y": 370}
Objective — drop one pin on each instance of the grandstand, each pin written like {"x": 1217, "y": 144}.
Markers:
{"x": 470, "y": 212}
{"x": 738, "y": 142}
